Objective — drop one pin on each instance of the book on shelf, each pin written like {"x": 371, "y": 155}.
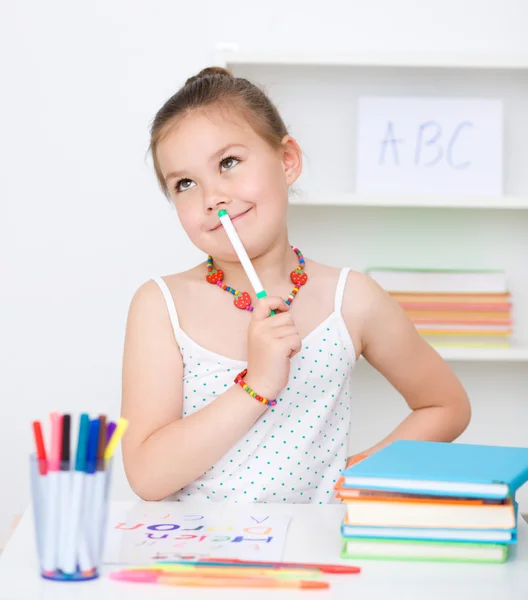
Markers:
{"x": 457, "y": 308}
{"x": 451, "y": 328}
{"x": 425, "y": 315}
{"x": 477, "y": 342}
{"x": 443, "y": 299}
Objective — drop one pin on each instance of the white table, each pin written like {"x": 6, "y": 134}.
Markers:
{"x": 313, "y": 536}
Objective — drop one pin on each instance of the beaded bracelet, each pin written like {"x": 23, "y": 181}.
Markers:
{"x": 240, "y": 380}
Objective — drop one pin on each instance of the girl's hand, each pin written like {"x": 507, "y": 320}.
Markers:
{"x": 272, "y": 341}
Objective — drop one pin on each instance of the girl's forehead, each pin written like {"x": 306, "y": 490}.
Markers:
{"x": 210, "y": 124}
{"x": 199, "y": 134}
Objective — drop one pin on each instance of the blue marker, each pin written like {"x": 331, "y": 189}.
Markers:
{"x": 89, "y": 485}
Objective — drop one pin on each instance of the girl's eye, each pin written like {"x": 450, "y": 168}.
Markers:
{"x": 229, "y": 163}
{"x": 184, "y": 184}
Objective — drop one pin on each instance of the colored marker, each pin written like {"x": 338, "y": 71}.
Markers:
{"x": 185, "y": 580}
{"x": 226, "y": 571}
{"x": 119, "y": 432}
{"x": 110, "y": 428}
{"x": 87, "y": 535}
{"x": 40, "y": 447}
{"x": 324, "y": 568}
{"x": 72, "y": 546}
{"x": 64, "y": 489}
{"x": 99, "y": 489}
{"x": 242, "y": 254}
{"x": 37, "y": 481}
{"x": 49, "y": 561}
{"x": 253, "y": 582}
{"x": 39, "y": 469}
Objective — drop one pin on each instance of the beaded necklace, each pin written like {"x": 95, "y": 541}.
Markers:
{"x": 243, "y": 299}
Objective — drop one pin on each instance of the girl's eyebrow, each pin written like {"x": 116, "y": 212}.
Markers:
{"x": 224, "y": 149}
{"x": 214, "y": 158}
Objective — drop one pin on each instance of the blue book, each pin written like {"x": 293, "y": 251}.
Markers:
{"x": 442, "y": 469}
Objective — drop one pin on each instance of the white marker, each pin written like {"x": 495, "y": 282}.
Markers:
{"x": 241, "y": 253}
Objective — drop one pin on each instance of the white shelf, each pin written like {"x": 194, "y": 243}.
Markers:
{"x": 343, "y": 199}
{"x": 483, "y": 354}
{"x": 229, "y": 55}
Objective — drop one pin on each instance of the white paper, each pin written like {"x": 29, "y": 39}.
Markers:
{"x": 244, "y": 532}
{"x": 429, "y": 146}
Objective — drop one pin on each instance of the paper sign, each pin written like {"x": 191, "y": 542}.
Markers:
{"x": 429, "y": 146}
{"x": 247, "y": 533}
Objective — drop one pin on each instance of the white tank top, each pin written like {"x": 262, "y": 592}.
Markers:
{"x": 296, "y": 450}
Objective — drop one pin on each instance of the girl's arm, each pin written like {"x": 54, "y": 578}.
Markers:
{"x": 389, "y": 341}
{"x": 163, "y": 452}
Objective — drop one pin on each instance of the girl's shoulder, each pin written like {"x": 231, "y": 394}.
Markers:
{"x": 176, "y": 282}
{"x": 328, "y": 276}
{"x": 149, "y": 295}
{"x": 185, "y": 281}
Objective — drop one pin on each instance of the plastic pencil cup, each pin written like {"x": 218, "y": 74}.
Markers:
{"x": 70, "y": 510}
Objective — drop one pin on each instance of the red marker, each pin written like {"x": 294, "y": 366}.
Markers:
{"x": 324, "y": 568}
{"x": 41, "y": 449}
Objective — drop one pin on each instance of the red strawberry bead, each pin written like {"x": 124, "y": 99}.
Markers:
{"x": 243, "y": 300}
{"x": 215, "y": 276}
{"x": 298, "y": 278}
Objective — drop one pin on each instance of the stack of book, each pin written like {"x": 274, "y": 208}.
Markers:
{"x": 450, "y": 307}
{"x": 435, "y": 501}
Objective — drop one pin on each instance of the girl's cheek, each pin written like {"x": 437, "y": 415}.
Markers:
{"x": 191, "y": 222}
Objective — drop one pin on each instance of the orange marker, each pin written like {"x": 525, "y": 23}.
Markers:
{"x": 256, "y": 582}
{"x": 185, "y": 579}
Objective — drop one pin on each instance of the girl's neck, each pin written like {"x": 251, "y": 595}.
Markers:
{"x": 273, "y": 268}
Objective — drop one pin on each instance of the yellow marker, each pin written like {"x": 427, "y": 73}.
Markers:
{"x": 119, "y": 431}
{"x": 226, "y": 571}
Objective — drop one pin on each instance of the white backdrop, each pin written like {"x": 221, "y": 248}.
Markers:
{"x": 82, "y": 223}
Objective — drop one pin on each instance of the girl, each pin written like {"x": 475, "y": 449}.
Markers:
{"x": 224, "y": 401}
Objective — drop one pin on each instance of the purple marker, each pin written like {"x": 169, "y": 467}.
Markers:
{"x": 110, "y": 427}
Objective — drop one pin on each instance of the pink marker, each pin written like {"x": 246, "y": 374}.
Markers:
{"x": 135, "y": 576}
{"x": 52, "y": 509}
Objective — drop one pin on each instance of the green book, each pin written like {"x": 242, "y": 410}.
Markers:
{"x": 418, "y": 550}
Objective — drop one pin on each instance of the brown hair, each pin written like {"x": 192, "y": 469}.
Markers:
{"x": 215, "y": 85}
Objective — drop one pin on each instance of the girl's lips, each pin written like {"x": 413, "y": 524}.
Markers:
{"x": 235, "y": 218}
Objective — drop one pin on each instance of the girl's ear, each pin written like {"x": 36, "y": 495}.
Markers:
{"x": 291, "y": 159}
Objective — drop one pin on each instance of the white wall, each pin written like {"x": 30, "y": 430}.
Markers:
{"x": 82, "y": 223}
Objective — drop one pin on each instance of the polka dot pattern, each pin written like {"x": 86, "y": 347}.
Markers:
{"x": 297, "y": 449}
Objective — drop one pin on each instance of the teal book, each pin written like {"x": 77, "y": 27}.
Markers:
{"x": 482, "y": 536}
{"x": 442, "y": 469}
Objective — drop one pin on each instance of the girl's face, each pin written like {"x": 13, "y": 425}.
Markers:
{"x": 214, "y": 160}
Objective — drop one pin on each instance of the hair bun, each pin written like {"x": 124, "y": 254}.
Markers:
{"x": 208, "y": 72}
